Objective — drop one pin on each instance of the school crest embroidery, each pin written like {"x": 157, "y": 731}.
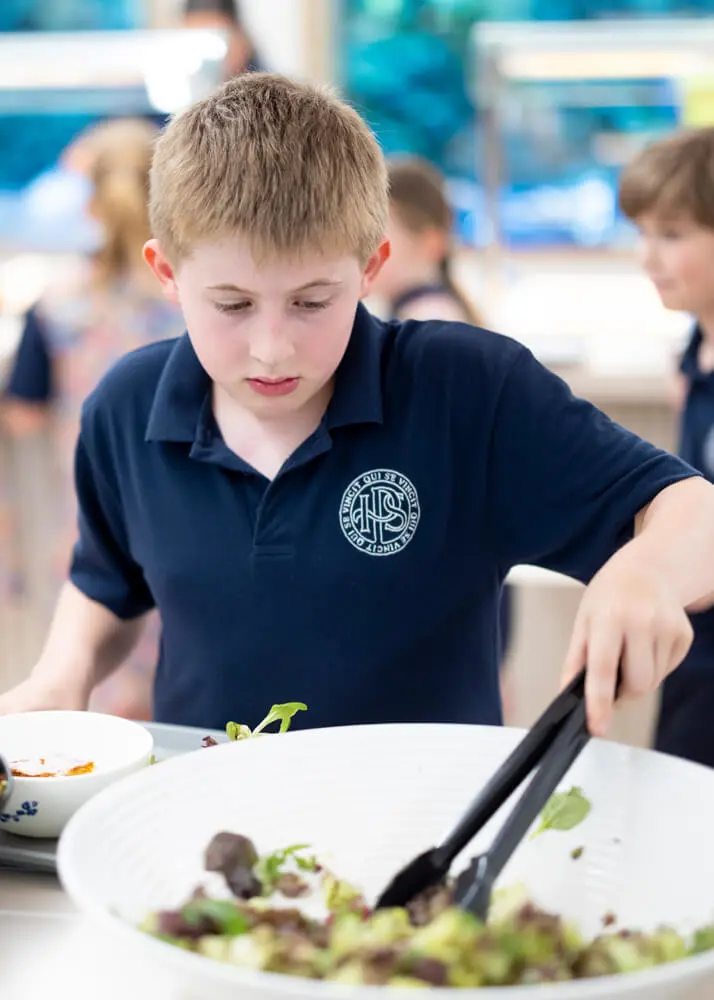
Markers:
{"x": 379, "y": 512}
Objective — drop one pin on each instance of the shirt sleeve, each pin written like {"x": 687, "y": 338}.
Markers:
{"x": 102, "y": 566}
{"x": 566, "y": 482}
{"x": 31, "y": 375}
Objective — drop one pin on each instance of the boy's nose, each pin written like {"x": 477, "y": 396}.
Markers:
{"x": 270, "y": 347}
{"x": 648, "y": 256}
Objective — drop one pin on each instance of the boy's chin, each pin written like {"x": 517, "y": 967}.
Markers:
{"x": 674, "y": 302}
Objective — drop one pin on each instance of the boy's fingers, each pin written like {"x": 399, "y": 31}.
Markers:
{"x": 576, "y": 656}
{"x": 604, "y": 650}
{"x": 639, "y": 667}
{"x": 681, "y": 646}
{"x": 671, "y": 653}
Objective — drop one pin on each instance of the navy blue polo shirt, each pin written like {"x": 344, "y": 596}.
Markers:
{"x": 364, "y": 579}
{"x": 696, "y": 447}
{"x": 696, "y": 441}
{"x": 31, "y": 373}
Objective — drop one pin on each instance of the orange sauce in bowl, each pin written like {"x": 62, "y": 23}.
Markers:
{"x": 39, "y": 768}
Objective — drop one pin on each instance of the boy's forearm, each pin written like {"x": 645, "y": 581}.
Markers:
{"x": 674, "y": 538}
{"x": 86, "y": 642}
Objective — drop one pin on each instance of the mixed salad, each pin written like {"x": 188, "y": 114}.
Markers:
{"x": 260, "y": 925}
{"x": 265, "y": 919}
{"x": 283, "y": 714}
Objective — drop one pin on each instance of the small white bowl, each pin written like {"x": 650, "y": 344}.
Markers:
{"x": 40, "y": 807}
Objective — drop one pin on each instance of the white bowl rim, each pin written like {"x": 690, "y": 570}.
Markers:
{"x": 288, "y": 986}
{"x": 21, "y": 781}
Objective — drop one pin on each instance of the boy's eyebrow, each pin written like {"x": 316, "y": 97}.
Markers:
{"x": 318, "y": 283}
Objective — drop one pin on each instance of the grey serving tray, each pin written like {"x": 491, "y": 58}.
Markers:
{"x": 26, "y": 854}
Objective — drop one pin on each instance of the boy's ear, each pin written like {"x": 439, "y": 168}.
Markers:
{"x": 374, "y": 265}
{"x": 159, "y": 264}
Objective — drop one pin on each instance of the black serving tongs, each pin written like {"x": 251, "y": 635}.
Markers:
{"x": 554, "y": 742}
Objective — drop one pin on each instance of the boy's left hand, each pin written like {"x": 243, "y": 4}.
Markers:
{"x": 627, "y": 614}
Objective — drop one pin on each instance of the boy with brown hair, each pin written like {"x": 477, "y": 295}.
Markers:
{"x": 323, "y": 506}
{"x": 668, "y": 192}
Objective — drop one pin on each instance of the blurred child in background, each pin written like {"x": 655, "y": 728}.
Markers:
{"x": 668, "y": 192}
{"x": 224, "y": 15}
{"x": 75, "y": 333}
{"x": 416, "y": 281}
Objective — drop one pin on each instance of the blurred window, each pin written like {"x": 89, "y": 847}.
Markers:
{"x": 408, "y": 66}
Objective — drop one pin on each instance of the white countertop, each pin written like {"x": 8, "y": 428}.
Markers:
{"x": 49, "y": 949}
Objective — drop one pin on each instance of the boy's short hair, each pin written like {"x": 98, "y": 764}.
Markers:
{"x": 287, "y": 165}
{"x": 671, "y": 177}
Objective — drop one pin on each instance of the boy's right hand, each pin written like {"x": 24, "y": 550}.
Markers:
{"x": 38, "y": 694}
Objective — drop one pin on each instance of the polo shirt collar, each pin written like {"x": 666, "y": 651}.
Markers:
{"x": 690, "y": 358}
{"x": 179, "y": 397}
{"x": 357, "y": 397}
{"x": 690, "y": 361}
{"x": 184, "y": 384}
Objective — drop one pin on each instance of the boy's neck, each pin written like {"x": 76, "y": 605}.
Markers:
{"x": 263, "y": 442}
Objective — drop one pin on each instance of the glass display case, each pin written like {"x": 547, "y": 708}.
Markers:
{"x": 428, "y": 76}
{"x": 563, "y": 107}
{"x": 35, "y": 127}
{"x": 53, "y": 85}
{"x": 72, "y": 15}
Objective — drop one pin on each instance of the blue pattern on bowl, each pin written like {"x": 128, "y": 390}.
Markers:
{"x": 26, "y": 809}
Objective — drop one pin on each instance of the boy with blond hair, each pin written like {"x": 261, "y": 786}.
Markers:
{"x": 324, "y": 506}
{"x": 668, "y": 192}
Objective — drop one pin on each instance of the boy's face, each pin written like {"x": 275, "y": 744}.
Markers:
{"x": 678, "y": 255}
{"x": 271, "y": 335}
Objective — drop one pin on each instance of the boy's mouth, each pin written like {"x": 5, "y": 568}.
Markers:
{"x": 273, "y": 386}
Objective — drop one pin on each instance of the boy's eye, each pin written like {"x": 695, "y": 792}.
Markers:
{"x": 311, "y": 305}
{"x": 230, "y": 307}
